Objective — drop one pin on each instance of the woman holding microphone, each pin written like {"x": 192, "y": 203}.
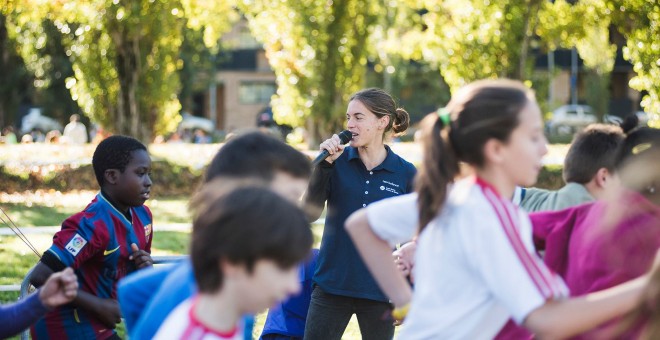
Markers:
{"x": 351, "y": 178}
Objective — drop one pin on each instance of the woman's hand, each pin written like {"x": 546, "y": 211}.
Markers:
{"x": 334, "y": 147}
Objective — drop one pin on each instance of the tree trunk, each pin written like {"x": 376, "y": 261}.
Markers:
{"x": 4, "y": 61}
{"x": 532, "y": 10}
{"x": 128, "y": 108}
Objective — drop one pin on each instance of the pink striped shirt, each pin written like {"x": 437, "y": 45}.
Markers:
{"x": 184, "y": 325}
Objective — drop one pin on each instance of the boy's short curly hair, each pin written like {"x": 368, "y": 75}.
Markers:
{"x": 114, "y": 152}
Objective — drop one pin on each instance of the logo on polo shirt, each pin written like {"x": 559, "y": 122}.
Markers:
{"x": 76, "y": 244}
{"x": 390, "y": 187}
{"x": 390, "y": 183}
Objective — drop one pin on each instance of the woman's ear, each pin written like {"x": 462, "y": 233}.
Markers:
{"x": 383, "y": 122}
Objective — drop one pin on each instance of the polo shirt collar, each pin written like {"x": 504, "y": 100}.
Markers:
{"x": 389, "y": 164}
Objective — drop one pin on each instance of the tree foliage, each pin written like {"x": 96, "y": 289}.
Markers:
{"x": 38, "y": 79}
{"x": 469, "y": 40}
{"x": 318, "y": 50}
{"x": 125, "y": 54}
{"x": 639, "y": 22}
{"x": 14, "y": 77}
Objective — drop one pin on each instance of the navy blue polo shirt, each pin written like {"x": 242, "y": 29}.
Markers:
{"x": 340, "y": 269}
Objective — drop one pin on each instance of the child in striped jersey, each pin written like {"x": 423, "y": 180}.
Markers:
{"x": 476, "y": 266}
{"x": 108, "y": 240}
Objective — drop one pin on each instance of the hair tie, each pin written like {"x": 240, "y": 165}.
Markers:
{"x": 444, "y": 115}
{"x": 641, "y": 148}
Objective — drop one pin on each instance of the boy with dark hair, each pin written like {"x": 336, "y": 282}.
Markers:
{"x": 257, "y": 155}
{"x": 103, "y": 243}
{"x": 588, "y": 168}
{"x": 148, "y": 297}
{"x": 243, "y": 262}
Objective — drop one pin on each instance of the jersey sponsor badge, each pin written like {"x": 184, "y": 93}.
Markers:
{"x": 147, "y": 231}
{"x": 76, "y": 244}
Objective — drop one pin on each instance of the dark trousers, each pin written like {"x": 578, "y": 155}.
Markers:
{"x": 329, "y": 315}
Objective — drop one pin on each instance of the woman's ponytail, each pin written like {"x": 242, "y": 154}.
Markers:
{"x": 401, "y": 121}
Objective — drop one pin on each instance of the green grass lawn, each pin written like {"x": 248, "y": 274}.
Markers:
{"x": 51, "y": 208}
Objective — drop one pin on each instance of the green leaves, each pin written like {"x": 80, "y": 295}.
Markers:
{"x": 318, "y": 50}
{"x": 639, "y": 22}
{"x": 124, "y": 54}
{"x": 127, "y": 55}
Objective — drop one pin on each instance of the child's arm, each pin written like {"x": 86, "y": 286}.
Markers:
{"x": 59, "y": 289}
{"x": 566, "y": 318}
{"x": 105, "y": 310}
{"x": 376, "y": 254}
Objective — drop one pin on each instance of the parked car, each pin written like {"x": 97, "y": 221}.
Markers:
{"x": 568, "y": 119}
{"x": 35, "y": 120}
{"x": 613, "y": 119}
{"x": 642, "y": 118}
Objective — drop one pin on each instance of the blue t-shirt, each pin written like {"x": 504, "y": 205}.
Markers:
{"x": 178, "y": 286}
{"x": 96, "y": 243}
{"x": 350, "y": 186}
{"x": 135, "y": 291}
{"x": 289, "y": 317}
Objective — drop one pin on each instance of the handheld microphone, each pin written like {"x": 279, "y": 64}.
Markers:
{"x": 344, "y": 136}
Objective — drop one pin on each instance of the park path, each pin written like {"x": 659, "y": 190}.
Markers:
{"x": 51, "y": 230}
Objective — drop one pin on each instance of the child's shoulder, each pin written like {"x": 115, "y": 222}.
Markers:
{"x": 469, "y": 202}
{"x": 144, "y": 208}
{"x": 143, "y": 212}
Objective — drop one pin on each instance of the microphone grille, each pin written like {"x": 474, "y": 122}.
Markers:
{"x": 345, "y": 136}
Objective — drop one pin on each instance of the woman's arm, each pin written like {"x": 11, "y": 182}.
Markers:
{"x": 376, "y": 254}
{"x": 317, "y": 190}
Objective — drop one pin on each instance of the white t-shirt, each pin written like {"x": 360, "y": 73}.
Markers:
{"x": 182, "y": 324}
{"x": 475, "y": 265}
{"x": 75, "y": 133}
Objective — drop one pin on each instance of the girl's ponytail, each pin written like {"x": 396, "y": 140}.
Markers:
{"x": 439, "y": 168}
{"x": 480, "y": 111}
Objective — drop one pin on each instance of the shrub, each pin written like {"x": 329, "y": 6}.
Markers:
{"x": 169, "y": 179}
